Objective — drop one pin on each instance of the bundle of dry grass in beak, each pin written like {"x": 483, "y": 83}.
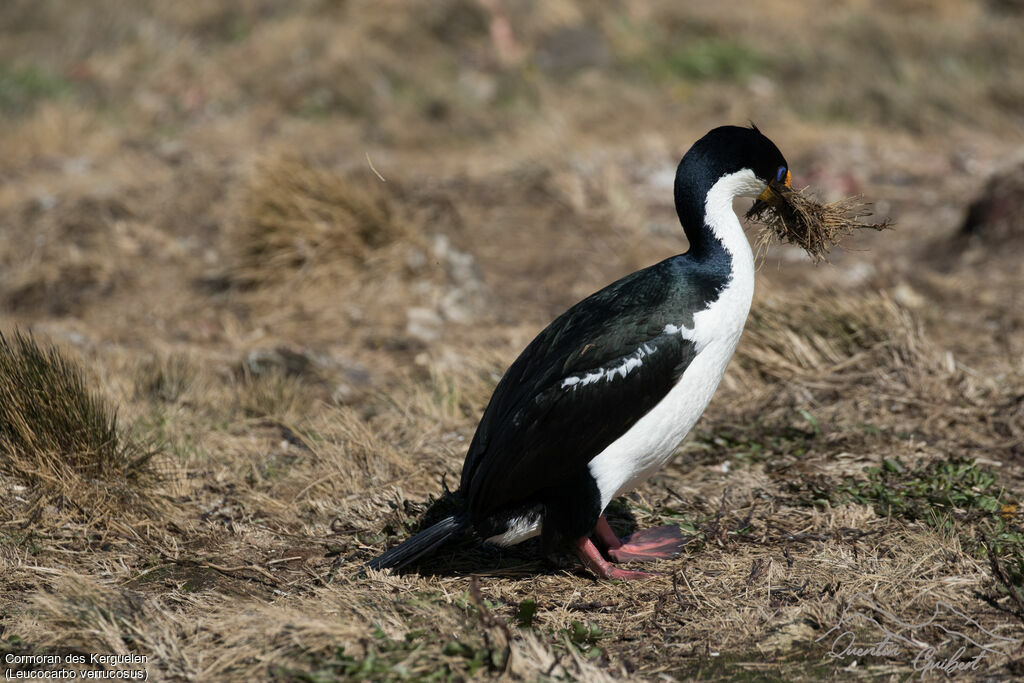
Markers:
{"x": 793, "y": 217}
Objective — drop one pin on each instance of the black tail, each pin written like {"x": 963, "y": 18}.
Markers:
{"x": 419, "y": 545}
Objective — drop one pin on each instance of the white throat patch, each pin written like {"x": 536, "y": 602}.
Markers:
{"x": 719, "y": 214}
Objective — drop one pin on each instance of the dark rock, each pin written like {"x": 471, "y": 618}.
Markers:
{"x": 996, "y": 217}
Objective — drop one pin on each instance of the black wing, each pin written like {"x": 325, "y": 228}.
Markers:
{"x": 582, "y": 383}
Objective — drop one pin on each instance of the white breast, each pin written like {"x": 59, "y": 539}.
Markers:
{"x": 644, "y": 449}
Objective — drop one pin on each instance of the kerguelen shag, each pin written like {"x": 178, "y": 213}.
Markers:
{"x": 601, "y": 398}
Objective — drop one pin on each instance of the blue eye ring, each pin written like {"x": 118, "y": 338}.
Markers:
{"x": 780, "y": 175}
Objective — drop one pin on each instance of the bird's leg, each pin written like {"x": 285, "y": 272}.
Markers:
{"x": 605, "y": 536}
{"x": 659, "y": 543}
{"x": 592, "y": 560}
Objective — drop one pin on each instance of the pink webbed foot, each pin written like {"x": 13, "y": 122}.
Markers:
{"x": 659, "y": 543}
{"x": 592, "y": 560}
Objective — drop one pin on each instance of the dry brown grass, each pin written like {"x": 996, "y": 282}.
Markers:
{"x": 827, "y": 334}
{"x": 77, "y": 255}
{"x": 187, "y": 211}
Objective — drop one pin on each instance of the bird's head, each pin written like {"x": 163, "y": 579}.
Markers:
{"x": 749, "y": 160}
{"x": 726, "y": 163}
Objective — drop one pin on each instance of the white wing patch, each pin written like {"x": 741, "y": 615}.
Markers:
{"x": 632, "y": 362}
{"x": 682, "y": 330}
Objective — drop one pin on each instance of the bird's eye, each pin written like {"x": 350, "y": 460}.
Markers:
{"x": 780, "y": 175}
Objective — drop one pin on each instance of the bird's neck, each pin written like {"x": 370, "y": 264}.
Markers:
{"x": 722, "y": 226}
{"x": 712, "y": 227}
{"x": 720, "y": 249}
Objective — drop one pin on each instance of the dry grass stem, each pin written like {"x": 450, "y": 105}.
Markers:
{"x": 793, "y": 217}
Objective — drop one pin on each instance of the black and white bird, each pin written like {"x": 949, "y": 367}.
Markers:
{"x": 600, "y": 400}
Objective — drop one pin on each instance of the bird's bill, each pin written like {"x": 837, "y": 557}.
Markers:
{"x": 770, "y": 197}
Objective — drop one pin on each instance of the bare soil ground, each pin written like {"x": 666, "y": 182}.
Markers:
{"x": 294, "y": 246}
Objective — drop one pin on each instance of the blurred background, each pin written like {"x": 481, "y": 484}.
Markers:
{"x": 147, "y": 148}
{"x": 295, "y": 244}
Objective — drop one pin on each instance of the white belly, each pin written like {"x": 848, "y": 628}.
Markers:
{"x": 643, "y": 450}
{"x": 632, "y": 458}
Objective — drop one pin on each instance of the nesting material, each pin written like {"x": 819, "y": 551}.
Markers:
{"x": 797, "y": 218}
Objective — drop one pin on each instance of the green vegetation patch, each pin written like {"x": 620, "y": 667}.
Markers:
{"x": 954, "y": 494}
{"x": 702, "y": 59}
{"x": 21, "y": 87}
{"x": 956, "y": 487}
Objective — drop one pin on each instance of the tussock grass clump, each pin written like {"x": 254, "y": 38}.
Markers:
{"x": 58, "y": 436}
{"x": 795, "y": 218}
{"x": 299, "y": 217}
